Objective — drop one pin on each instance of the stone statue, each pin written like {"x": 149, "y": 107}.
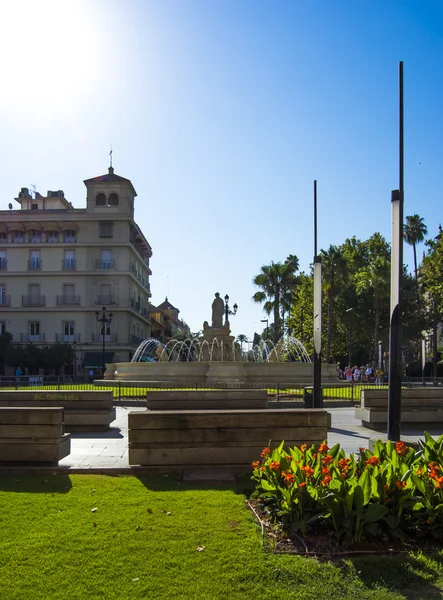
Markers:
{"x": 218, "y": 309}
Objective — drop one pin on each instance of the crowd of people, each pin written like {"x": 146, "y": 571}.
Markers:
{"x": 363, "y": 374}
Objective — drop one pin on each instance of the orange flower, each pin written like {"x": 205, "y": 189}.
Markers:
{"x": 373, "y": 461}
{"x": 308, "y": 470}
{"x": 303, "y": 447}
{"x": 262, "y": 469}
{"x": 327, "y": 460}
{"x": 288, "y": 458}
{"x": 274, "y": 465}
{"x": 399, "y": 484}
{"x": 265, "y": 452}
{"x": 323, "y": 448}
{"x": 326, "y": 480}
{"x": 343, "y": 473}
{"x": 302, "y": 484}
{"x": 289, "y": 479}
{"x": 401, "y": 448}
{"x": 255, "y": 464}
{"x": 362, "y": 449}
{"x": 325, "y": 471}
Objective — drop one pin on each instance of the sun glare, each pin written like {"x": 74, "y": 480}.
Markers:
{"x": 48, "y": 51}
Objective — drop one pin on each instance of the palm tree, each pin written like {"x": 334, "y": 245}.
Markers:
{"x": 274, "y": 280}
{"x": 334, "y": 273}
{"x": 242, "y": 338}
{"x": 414, "y": 232}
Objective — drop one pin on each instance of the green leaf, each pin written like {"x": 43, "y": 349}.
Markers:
{"x": 359, "y": 498}
{"x": 267, "y": 486}
{"x": 419, "y": 483}
{"x": 375, "y": 512}
{"x": 366, "y": 485}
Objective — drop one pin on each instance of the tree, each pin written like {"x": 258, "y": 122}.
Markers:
{"x": 334, "y": 273}
{"x": 242, "y": 338}
{"x": 414, "y": 232}
{"x": 274, "y": 280}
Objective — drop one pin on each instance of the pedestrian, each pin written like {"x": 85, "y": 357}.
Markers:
{"x": 379, "y": 376}
{"x": 18, "y": 374}
{"x": 91, "y": 375}
{"x": 356, "y": 374}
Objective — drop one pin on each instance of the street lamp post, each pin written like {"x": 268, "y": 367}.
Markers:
{"x": 228, "y": 311}
{"x": 267, "y": 326}
{"x": 104, "y": 319}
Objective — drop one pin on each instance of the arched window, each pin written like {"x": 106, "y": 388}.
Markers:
{"x": 17, "y": 236}
{"x": 100, "y": 199}
{"x": 113, "y": 199}
{"x": 52, "y": 235}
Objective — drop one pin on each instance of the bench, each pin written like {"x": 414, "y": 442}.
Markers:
{"x": 85, "y": 410}
{"x": 33, "y": 435}
{"x": 422, "y": 407}
{"x": 235, "y": 437}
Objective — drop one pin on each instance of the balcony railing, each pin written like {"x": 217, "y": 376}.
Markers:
{"x": 32, "y": 337}
{"x": 98, "y": 338}
{"x": 35, "y": 264}
{"x": 33, "y": 300}
{"x": 5, "y": 300}
{"x": 69, "y": 264}
{"x": 68, "y": 300}
{"x": 3, "y": 264}
{"x": 105, "y": 299}
{"x": 66, "y": 338}
{"x": 105, "y": 263}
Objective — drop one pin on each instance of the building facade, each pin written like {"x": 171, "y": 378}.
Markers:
{"x": 59, "y": 265}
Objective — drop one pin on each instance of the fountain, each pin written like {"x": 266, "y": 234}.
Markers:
{"x": 215, "y": 358}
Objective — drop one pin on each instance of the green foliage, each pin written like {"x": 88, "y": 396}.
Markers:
{"x": 393, "y": 490}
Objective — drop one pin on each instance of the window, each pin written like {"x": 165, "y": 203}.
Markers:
{"x": 106, "y": 229}
{"x": 106, "y": 259}
{"x": 52, "y": 236}
{"x": 105, "y": 296}
{"x": 34, "y": 290}
{"x": 3, "y": 237}
{"x": 69, "y": 259}
{"x": 68, "y": 331}
{"x": 35, "y": 235}
{"x": 34, "y": 261}
{"x": 34, "y": 206}
{"x": 2, "y": 327}
{"x": 34, "y": 331}
{"x": 17, "y": 236}
{"x": 3, "y": 262}
{"x": 113, "y": 199}
{"x": 3, "y": 296}
{"x": 70, "y": 235}
{"x": 100, "y": 200}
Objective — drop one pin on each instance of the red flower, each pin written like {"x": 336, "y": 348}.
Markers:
{"x": 401, "y": 448}
{"x": 323, "y": 448}
{"x": 288, "y": 458}
{"x": 302, "y": 484}
{"x": 325, "y": 471}
{"x": 373, "y": 461}
{"x": 327, "y": 460}
{"x": 399, "y": 484}
{"x": 274, "y": 465}
{"x": 256, "y": 464}
{"x": 308, "y": 471}
{"x": 326, "y": 480}
{"x": 289, "y": 478}
{"x": 265, "y": 452}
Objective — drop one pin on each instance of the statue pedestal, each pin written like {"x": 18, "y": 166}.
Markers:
{"x": 217, "y": 343}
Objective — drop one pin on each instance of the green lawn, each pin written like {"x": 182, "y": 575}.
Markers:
{"x": 53, "y": 547}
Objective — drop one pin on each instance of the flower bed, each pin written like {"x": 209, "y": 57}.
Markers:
{"x": 393, "y": 492}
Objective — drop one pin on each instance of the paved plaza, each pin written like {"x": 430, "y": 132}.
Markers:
{"x": 108, "y": 450}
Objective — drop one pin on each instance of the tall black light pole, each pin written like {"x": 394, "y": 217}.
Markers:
{"x": 228, "y": 311}
{"x": 317, "y": 395}
{"x": 395, "y": 354}
{"x": 104, "y": 320}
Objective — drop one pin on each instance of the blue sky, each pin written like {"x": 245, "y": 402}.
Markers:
{"x": 222, "y": 113}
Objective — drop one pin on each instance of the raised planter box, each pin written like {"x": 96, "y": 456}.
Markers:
{"x": 419, "y": 407}
{"x": 85, "y": 410}
{"x": 206, "y": 399}
{"x": 218, "y": 437}
{"x": 33, "y": 435}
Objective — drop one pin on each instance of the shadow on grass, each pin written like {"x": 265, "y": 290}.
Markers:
{"x": 36, "y": 484}
{"x": 411, "y": 575}
{"x": 174, "y": 481}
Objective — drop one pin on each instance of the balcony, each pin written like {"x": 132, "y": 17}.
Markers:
{"x": 66, "y": 338}
{"x": 69, "y": 264}
{"x": 35, "y": 264}
{"x": 97, "y": 338}
{"x": 5, "y": 300}
{"x": 105, "y": 264}
{"x": 32, "y": 337}
{"x": 3, "y": 264}
{"x": 36, "y": 300}
{"x": 105, "y": 299}
{"x": 68, "y": 300}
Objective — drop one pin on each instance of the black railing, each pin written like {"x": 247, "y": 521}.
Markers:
{"x": 34, "y": 264}
{"x": 33, "y": 300}
{"x": 105, "y": 263}
{"x": 5, "y": 300}
{"x": 68, "y": 300}
{"x": 69, "y": 264}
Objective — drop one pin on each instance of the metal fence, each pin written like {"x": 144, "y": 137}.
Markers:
{"x": 345, "y": 393}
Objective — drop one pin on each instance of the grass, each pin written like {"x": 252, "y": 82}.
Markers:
{"x": 52, "y": 546}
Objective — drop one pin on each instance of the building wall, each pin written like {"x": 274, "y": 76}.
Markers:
{"x": 77, "y": 274}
